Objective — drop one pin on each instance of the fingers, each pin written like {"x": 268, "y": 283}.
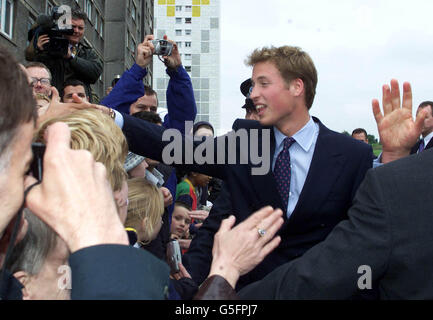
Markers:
{"x": 270, "y": 246}
{"x": 386, "y": 99}
{"x": 57, "y": 136}
{"x": 419, "y": 120}
{"x": 395, "y": 95}
{"x": 76, "y": 98}
{"x": 55, "y": 94}
{"x": 147, "y": 38}
{"x": 227, "y": 224}
{"x": 271, "y": 224}
{"x": 253, "y": 221}
{"x": 376, "y": 111}
{"x": 407, "y": 96}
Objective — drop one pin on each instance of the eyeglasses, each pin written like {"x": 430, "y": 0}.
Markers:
{"x": 43, "y": 81}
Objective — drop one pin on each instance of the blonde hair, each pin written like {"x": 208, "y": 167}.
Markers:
{"x": 292, "y": 63}
{"x": 145, "y": 201}
{"x": 96, "y": 132}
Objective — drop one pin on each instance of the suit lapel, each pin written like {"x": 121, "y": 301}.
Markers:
{"x": 325, "y": 168}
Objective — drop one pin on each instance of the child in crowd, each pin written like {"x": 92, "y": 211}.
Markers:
{"x": 145, "y": 209}
{"x": 181, "y": 221}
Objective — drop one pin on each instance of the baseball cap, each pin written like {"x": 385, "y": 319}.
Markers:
{"x": 132, "y": 160}
{"x": 246, "y": 90}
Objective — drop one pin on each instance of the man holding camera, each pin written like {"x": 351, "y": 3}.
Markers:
{"x": 80, "y": 62}
{"x": 129, "y": 90}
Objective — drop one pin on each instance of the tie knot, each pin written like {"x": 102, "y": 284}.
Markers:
{"x": 288, "y": 142}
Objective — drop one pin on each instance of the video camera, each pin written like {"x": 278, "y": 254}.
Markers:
{"x": 56, "y": 28}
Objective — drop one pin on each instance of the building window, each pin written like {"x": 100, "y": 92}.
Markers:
{"x": 178, "y": 8}
{"x": 6, "y": 17}
{"x": 96, "y": 20}
{"x": 49, "y": 7}
{"x": 188, "y": 8}
{"x": 178, "y": 32}
{"x": 178, "y": 20}
{"x": 133, "y": 11}
{"x": 188, "y": 32}
{"x": 88, "y": 9}
{"x": 188, "y": 44}
{"x": 101, "y": 29}
{"x": 179, "y": 44}
{"x": 187, "y": 56}
{"x": 188, "y": 68}
{"x": 187, "y": 20}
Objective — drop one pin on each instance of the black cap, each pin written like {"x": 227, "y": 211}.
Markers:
{"x": 245, "y": 89}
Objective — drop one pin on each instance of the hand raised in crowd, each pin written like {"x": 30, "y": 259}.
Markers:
{"x": 199, "y": 215}
{"x": 168, "y": 198}
{"x": 42, "y": 41}
{"x": 144, "y": 52}
{"x": 398, "y": 131}
{"x": 172, "y": 61}
{"x": 57, "y": 108}
{"x": 236, "y": 251}
{"x": 75, "y": 198}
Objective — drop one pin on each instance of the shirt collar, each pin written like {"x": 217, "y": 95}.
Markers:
{"x": 304, "y": 137}
{"x": 427, "y": 138}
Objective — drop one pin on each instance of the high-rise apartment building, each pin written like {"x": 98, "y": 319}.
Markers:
{"x": 194, "y": 26}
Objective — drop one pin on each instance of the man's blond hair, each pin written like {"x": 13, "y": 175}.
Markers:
{"x": 292, "y": 63}
{"x": 96, "y": 132}
{"x": 145, "y": 201}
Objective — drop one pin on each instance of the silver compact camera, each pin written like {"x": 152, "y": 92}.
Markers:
{"x": 174, "y": 256}
{"x": 162, "y": 47}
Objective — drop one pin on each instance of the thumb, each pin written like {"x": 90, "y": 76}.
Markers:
{"x": 227, "y": 224}
{"x": 419, "y": 121}
{"x": 33, "y": 195}
{"x": 55, "y": 94}
{"x": 76, "y": 98}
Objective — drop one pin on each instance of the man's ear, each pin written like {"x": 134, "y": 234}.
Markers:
{"x": 24, "y": 278}
{"x": 297, "y": 86}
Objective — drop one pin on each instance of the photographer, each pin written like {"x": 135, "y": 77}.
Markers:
{"x": 78, "y": 61}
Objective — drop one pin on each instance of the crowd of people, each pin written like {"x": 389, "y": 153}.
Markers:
{"x": 98, "y": 223}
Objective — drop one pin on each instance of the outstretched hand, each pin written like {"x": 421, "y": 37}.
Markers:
{"x": 398, "y": 131}
{"x": 58, "y": 109}
{"x": 238, "y": 250}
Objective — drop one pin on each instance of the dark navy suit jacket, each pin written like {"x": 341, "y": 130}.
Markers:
{"x": 338, "y": 166}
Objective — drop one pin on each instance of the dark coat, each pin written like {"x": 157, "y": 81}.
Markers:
{"x": 338, "y": 166}
{"x": 389, "y": 230}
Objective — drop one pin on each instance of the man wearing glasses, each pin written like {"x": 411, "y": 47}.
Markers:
{"x": 40, "y": 78}
{"x": 80, "y": 62}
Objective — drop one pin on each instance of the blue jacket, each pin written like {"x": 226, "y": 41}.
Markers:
{"x": 180, "y": 95}
{"x": 181, "y": 104}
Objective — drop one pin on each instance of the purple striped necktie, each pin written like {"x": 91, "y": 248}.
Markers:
{"x": 421, "y": 146}
{"x": 282, "y": 171}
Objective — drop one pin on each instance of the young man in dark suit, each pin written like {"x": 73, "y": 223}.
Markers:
{"x": 326, "y": 167}
{"x": 387, "y": 238}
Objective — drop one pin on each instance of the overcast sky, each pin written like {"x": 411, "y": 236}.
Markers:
{"x": 357, "y": 46}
